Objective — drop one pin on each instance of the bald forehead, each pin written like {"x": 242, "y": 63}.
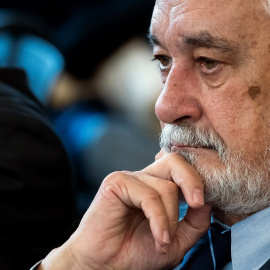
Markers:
{"x": 177, "y": 2}
{"x": 168, "y": 5}
{"x": 168, "y": 11}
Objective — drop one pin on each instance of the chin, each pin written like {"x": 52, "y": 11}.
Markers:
{"x": 237, "y": 187}
{"x": 236, "y": 193}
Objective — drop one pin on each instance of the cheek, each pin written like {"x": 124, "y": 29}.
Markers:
{"x": 236, "y": 115}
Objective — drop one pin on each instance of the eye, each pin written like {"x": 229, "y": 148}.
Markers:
{"x": 209, "y": 66}
{"x": 164, "y": 61}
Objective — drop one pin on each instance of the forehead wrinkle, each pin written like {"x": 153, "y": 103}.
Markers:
{"x": 182, "y": 8}
{"x": 161, "y": 7}
{"x": 206, "y": 40}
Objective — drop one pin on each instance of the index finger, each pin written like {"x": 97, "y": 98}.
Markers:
{"x": 161, "y": 154}
{"x": 174, "y": 167}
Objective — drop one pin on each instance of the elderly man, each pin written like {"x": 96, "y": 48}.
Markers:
{"x": 214, "y": 59}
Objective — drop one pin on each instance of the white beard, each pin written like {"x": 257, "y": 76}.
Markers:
{"x": 240, "y": 187}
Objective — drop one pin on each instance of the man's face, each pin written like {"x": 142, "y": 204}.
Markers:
{"x": 214, "y": 57}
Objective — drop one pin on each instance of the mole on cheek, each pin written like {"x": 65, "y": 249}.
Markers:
{"x": 254, "y": 44}
{"x": 242, "y": 36}
{"x": 254, "y": 91}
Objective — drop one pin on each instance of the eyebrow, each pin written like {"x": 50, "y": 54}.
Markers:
{"x": 201, "y": 40}
{"x": 154, "y": 40}
{"x": 205, "y": 40}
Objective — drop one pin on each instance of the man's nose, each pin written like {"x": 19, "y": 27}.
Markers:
{"x": 178, "y": 100}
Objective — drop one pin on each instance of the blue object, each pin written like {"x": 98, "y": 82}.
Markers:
{"x": 41, "y": 60}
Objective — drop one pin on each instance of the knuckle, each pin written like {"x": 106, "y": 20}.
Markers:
{"x": 113, "y": 184}
{"x": 174, "y": 223}
{"x": 202, "y": 229}
{"x": 198, "y": 229}
{"x": 150, "y": 198}
{"x": 137, "y": 173}
{"x": 184, "y": 241}
{"x": 115, "y": 176}
{"x": 169, "y": 188}
{"x": 152, "y": 195}
{"x": 159, "y": 214}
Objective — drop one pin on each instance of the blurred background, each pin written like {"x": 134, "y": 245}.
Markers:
{"x": 89, "y": 63}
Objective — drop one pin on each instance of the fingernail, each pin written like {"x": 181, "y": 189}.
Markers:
{"x": 166, "y": 237}
{"x": 198, "y": 197}
{"x": 166, "y": 248}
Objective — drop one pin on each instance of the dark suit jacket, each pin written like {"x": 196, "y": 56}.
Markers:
{"x": 36, "y": 197}
{"x": 266, "y": 266}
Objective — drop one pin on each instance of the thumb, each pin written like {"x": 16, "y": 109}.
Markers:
{"x": 192, "y": 227}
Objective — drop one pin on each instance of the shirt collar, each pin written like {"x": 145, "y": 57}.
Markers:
{"x": 251, "y": 241}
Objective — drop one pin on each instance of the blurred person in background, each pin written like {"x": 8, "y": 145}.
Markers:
{"x": 118, "y": 119}
{"x": 70, "y": 45}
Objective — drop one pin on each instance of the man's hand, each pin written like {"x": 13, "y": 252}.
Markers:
{"x": 133, "y": 221}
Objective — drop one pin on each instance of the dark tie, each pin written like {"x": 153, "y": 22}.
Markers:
{"x": 211, "y": 252}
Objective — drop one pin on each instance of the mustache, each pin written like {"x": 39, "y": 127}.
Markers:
{"x": 192, "y": 136}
